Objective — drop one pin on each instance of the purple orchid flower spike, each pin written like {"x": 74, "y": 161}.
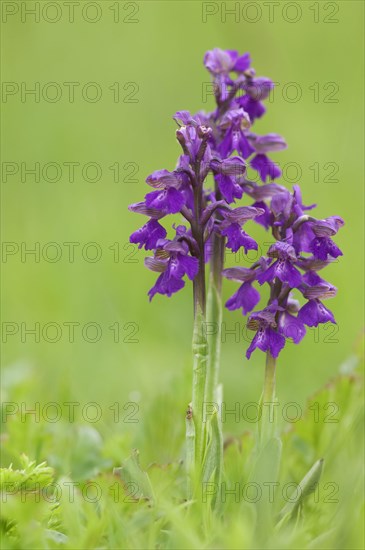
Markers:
{"x": 285, "y": 269}
{"x": 209, "y": 179}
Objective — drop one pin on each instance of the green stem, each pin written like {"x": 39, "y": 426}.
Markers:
{"x": 213, "y": 463}
{"x": 200, "y": 360}
{"x": 268, "y": 418}
{"x": 214, "y": 318}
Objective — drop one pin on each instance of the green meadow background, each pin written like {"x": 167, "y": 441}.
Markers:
{"x": 155, "y": 54}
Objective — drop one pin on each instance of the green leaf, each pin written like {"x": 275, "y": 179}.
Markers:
{"x": 135, "y": 480}
{"x": 265, "y": 474}
{"x": 305, "y": 488}
{"x": 213, "y": 458}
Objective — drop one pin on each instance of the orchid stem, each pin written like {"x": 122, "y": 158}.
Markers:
{"x": 268, "y": 400}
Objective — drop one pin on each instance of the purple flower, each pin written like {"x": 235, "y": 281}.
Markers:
{"x": 148, "y": 235}
{"x": 226, "y": 171}
{"x": 265, "y": 167}
{"x": 141, "y": 208}
{"x": 290, "y": 325}
{"x": 266, "y": 218}
{"x": 219, "y": 61}
{"x": 194, "y": 141}
{"x": 228, "y": 187}
{"x": 283, "y": 268}
{"x": 322, "y": 247}
{"x": 246, "y": 298}
{"x": 254, "y": 109}
{"x": 168, "y": 201}
{"x": 161, "y": 179}
{"x": 313, "y": 286}
{"x": 266, "y": 337}
{"x": 233, "y": 166}
{"x": 173, "y": 261}
{"x": 258, "y": 88}
{"x": 261, "y": 192}
{"x": 314, "y": 312}
{"x": 237, "y": 238}
{"x": 235, "y": 123}
{"x": 208, "y": 141}
{"x": 282, "y": 207}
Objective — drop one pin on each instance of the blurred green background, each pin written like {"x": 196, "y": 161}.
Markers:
{"x": 155, "y": 54}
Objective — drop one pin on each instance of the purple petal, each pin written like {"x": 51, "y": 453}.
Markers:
{"x": 265, "y": 167}
{"x": 160, "y": 179}
{"x": 259, "y": 88}
{"x": 255, "y": 109}
{"x": 239, "y": 274}
{"x": 155, "y": 264}
{"x": 169, "y": 200}
{"x": 262, "y": 192}
{"x": 291, "y": 327}
{"x": 148, "y": 235}
{"x": 218, "y": 61}
{"x": 269, "y": 143}
{"x": 229, "y": 189}
{"x": 166, "y": 285}
{"x": 233, "y": 166}
{"x": 244, "y": 147}
{"x": 276, "y": 342}
{"x": 267, "y": 340}
{"x": 190, "y": 265}
{"x": 314, "y": 312}
{"x": 237, "y": 238}
{"x": 265, "y": 219}
{"x": 142, "y": 208}
{"x": 283, "y": 270}
{"x": 322, "y": 247}
{"x": 246, "y": 298}
{"x": 242, "y": 214}
{"x": 282, "y": 250}
{"x": 242, "y": 63}
{"x": 316, "y": 287}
